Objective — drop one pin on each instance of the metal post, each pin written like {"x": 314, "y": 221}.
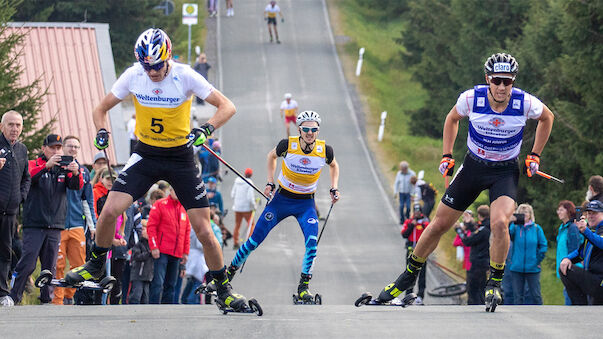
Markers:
{"x": 189, "y": 45}
{"x": 382, "y": 126}
{"x": 359, "y": 64}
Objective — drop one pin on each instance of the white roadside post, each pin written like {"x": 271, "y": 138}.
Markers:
{"x": 359, "y": 64}
{"x": 189, "y": 17}
{"x": 382, "y": 126}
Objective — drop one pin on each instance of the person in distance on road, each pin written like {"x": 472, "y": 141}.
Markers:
{"x": 497, "y": 115}
{"x": 289, "y": 112}
{"x": 270, "y": 13}
{"x": 162, "y": 92}
{"x": 303, "y": 159}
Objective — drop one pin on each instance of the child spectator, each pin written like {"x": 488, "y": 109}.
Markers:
{"x": 141, "y": 272}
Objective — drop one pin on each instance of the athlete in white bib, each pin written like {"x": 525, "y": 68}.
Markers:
{"x": 270, "y": 13}
{"x": 497, "y": 114}
{"x": 162, "y": 91}
{"x": 289, "y": 111}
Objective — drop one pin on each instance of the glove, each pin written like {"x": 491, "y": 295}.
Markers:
{"x": 532, "y": 163}
{"x": 102, "y": 139}
{"x": 446, "y": 165}
{"x": 265, "y": 19}
{"x": 283, "y": 20}
{"x": 334, "y": 193}
{"x": 198, "y": 135}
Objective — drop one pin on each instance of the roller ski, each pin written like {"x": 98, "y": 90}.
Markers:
{"x": 367, "y": 299}
{"x": 493, "y": 295}
{"x": 46, "y": 279}
{"x": 303, "y": 296}
{"x": 211, "y": 287}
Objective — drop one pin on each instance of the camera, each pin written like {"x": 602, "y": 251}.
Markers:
{"x": 519, "y": 219}
{"x": 578, "y": 213}
{"x": 65, "y": 160}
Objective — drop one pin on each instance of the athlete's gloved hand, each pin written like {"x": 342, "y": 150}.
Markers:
{"x": 532, "y": 163}
{"x": 334, "y": 195}
{"x": 102, "y": 139}
{"x": 198, "y": 136}
{"x": 269, "y": 190}
{"x": 265, "y": 18}
{"x": 282, "y": 20}
{"x": 446, "y": 165}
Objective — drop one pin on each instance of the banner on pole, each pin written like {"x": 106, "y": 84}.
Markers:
{"x": 189, "y": 14}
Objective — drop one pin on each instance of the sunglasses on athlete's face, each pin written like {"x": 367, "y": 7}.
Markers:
{"x": 155, "y": 67}
{"x": 309, "y": 129}
{"x": 497, "y": 80}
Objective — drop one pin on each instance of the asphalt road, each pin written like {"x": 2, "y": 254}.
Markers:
{"x": 361, "y": 249}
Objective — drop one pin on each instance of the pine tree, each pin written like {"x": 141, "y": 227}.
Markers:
{"x": 25, "y": 99}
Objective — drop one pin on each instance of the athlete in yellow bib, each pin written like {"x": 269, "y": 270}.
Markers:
{"x": 303, "y": 159}
{"x": 162, "y": 92}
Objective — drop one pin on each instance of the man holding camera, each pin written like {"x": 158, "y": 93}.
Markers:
{"x": 585, "y": 285}
{"x": 44, "y": 212}
{"x": 14, "y": 185}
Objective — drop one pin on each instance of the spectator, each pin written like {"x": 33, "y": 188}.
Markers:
{"x": 415, "y": 193}
{"x": 73, "y": 238}
{"x": 214, "y": 195}
{"x": 244, "y": 204}
{"x": 529, "y": 248}
{"x": 131, "y": 127}
{"x": 211, "y": 8}
{"x": 403, "y": 190}
{"x": 169, "y": 239}
{"x": 583, "y": 285}
{"x": 216, "y": 219}
{"x": 141, "y": 273}
{"x": 100, "y": 163}
{"x": 569, "y": 237}
{"x": 428, "y": 195}
{"x": 146, "y": 209}
{"x": 412, "y": 229}
{"x": 229, "y": 8}
{"x": 196, "y": 268}
{"x": 44, "y": 213}
{"x": 463, "y": 252}
{"x": 212, "y": 162}
{"x": 14, "y": 186}
{"x": 202, "y": 67}
{"x": 479, "y": 241}
{"x": 595, "y": 188}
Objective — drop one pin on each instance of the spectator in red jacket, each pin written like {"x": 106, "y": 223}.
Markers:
{"x": 169, "y": 240}
{"x": 457, "y": 242}
{"x": 412, "y": 229}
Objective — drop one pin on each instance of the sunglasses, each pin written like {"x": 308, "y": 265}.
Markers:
{"x": 155, "y": 67}
{"x": 498, "y": 81}
{"x": 309, "y": 129}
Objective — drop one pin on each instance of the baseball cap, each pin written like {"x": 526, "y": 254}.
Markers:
{"x": 470, "y": 212}
{"x": 211, "y": 179}
{"x": 98, "y": 156}
{"x": 595, "y": 206}
{"x": 53, "y": 139}
{"x": 248, "y": 171}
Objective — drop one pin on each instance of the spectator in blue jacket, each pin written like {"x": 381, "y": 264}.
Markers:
{"x": 214, "y": 195}
{"x": 529, "y": 248}
{"x": 585, "y": 285}
{"x": 569, "y": 237}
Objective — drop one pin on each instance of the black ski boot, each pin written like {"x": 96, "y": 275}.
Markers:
{"x": 493, "y": 295}
{"x": 405, "y": 281}
{"x": 302, "y": 289}
{"x": 225, "y": 296}
{"x": 230, "y": 273}
{"x": 93, "y": 269}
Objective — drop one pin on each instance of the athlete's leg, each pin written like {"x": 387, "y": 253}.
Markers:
{"x": 443, "y": 221}
{"x": 212, "y": 250}
{"x": 276, "y": 32}
{"x": 270, "y": 30}
{"x": 501, "y": 210}
{"x": 308, "y": 221}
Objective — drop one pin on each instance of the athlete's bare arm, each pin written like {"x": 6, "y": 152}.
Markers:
{"x": 271, "y": 165}
{"x": 99, "y": 113}
{"x": 334, "y": 172}
{"x": 543, "y": 130}
{"x": 226, "y": 109}
{"x": 451, "y": 129}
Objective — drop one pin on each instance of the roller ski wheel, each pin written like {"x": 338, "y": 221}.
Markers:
{"x": 107, "y": 284}
{"x": 44, "y": 279}
{"x": 367, "y": 299}
{"x": 317, "y": 300}
{"x": 493, "y": 297}
{"x": 251, "y": 307}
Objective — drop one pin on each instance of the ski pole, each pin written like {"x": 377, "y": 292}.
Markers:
{"x": 550, "y": 177}
{"x": 235, "y": 171}
{"x": 325, "y": 224}
{"x": 109, "y": 166}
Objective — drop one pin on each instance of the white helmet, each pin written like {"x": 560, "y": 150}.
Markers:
{"x": 308, "y": 116}
{"x": 287, "y": 95}
{"x": 152, "y": 47}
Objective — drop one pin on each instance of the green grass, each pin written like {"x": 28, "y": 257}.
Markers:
{"x": 386, "y": 85}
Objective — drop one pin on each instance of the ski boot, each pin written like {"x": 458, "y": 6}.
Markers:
{"x": 493, "y": 295}
{"x": 405, "y": 281}
{"x": 93, "y": 269}
{"x": 303, "y": 295}
{"x": 226, "y": 299}
{"x": 212, "y": 286}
